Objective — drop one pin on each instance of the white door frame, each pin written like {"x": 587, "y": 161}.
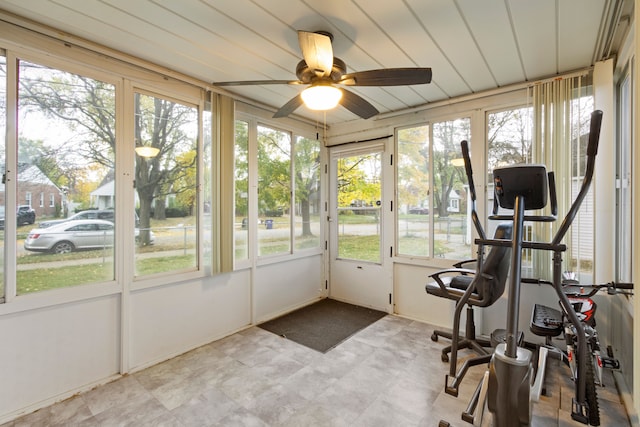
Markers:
{"x": 363, "y": 283}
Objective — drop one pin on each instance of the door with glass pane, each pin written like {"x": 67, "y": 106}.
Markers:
{"x": 357, "y": 272}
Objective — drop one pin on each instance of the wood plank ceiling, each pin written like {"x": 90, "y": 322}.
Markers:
{"x": 472, "y": 46}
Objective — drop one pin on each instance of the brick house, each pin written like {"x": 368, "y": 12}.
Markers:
{"x": 36, "y": 190}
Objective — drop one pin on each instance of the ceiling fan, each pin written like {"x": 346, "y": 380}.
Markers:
{"x": 323, "y": 72}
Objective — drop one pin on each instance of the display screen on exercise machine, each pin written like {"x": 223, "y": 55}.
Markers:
{"x": 528, "y": 180}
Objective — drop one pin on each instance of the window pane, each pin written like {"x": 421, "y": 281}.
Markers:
{"x": 166, "y": 184}
{"x": 3, "y": 133}
{"x": 412, "y": 182}
{"x": 65, "y": 154}
{"x": 207, "y": 221}
{"x": 307, "y": 190}
{"x": 582, "y": 229}
{"x": 359, "y": 200}
{"x": 625, "y": 188}
{"x": 509, "y": 143}
{"x": 274, "y": 191}
{"x": 451, "y": 229}
{"x": 241, "y": 238}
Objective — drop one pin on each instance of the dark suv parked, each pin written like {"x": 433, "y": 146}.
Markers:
{"x": 24, "y": 215}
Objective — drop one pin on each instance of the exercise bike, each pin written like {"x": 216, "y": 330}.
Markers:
{"x": 549, "y": 322}
{"x": 511, "y": 383}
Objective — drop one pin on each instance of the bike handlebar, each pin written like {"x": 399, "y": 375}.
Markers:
{"x": 613, "y": 288}
{"x": 575, "y": 289}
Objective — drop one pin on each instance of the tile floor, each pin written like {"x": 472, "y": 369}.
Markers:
{"x": 388, "y": 374}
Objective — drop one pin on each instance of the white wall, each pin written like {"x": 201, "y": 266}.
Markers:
{"x": 284, "y": 286}
{"x": 168, "y": 320}
{"x": 411, "y": 299}
{"x": 49, "y": 352}
{"x": 60, "y": 349}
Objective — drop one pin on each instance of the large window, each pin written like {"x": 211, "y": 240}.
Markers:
{"x": 581, "y": 251}
{"x": 285, "y": 169}
{"x": 624, "y": 214}
{"x": 3, "y": 132}
{"x": 166, "y": 185}
{"x": 274, "y": 191}
{"x": 62, "y": 181}
{"x": 554, "y": 134}
{"x": 241, "y": 177}
{"x": 66, "y": 152}
{"x": 432, "y": 218}
{"x": 306, "y": 169}
{"x": 508, "y": 143}
{"x": 413, "y": 183}
{"x": 207, "y": 186}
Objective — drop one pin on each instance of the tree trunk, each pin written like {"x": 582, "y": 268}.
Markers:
{"x": 159, "y": 209}
{"x": 144, "y": 237}
{"x": 306, "y": 217}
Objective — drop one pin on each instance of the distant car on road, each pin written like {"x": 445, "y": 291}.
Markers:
{"x": 106, "y": 214}
{"x": 24, "y": 215}
{"x": 73, "y": 235}
{"x": 419, "y": 211}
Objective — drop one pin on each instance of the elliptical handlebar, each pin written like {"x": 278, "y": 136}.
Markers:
{"x": 464, "y": 145}
{"x": 594, "y": 133}
{"x": 472, "y": 189}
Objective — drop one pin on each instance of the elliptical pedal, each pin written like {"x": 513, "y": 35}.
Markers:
{"x": 546, "y": 321}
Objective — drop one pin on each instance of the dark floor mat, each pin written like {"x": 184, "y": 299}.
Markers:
{"x": 323, "y": 325}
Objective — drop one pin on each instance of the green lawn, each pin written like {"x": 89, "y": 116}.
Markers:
{"x": 365, "y": 248}
{"x": 67, "y": 274}
{"x": 57, "y": 271}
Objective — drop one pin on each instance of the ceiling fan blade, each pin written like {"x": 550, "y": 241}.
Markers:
{"x": 388, "y": 77}
{"x": 317, "y": 52}
{"x": 258, "y": 82}
{"x": 289, "y": 107}
{"x": 357, "y": 105}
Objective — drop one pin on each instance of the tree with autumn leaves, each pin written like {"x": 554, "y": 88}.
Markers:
{"x": 87, "y": 107}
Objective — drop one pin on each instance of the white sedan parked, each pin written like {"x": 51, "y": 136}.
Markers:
{"x": 73, "y": 235}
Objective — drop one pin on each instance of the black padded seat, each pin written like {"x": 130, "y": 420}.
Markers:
{"x": 460, "y": 282}
{"x": 452, "y": 283}
{"x": 472, "y": 288}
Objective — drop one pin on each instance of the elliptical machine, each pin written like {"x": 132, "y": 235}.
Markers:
{"x": 511, "y": 384}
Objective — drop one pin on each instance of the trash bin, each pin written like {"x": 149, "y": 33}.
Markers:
{"x": 268, "y": 223}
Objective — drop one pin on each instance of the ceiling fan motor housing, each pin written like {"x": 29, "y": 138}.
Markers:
{"x": 307, "y": 75}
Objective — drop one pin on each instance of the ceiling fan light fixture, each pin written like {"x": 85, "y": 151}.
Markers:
{"x": 321, "y": 97}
